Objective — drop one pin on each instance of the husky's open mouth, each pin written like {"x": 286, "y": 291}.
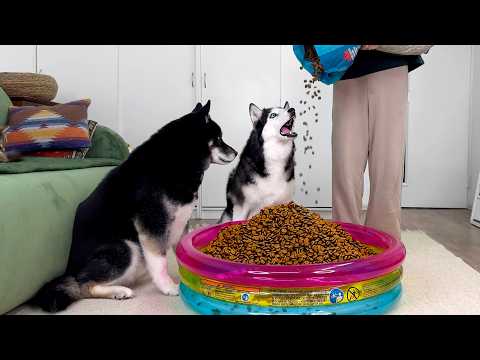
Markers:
{"x": 286, "y": 129}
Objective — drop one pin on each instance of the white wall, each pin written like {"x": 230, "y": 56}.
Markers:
{"x": 17, "y": 58}
{"x": 155, "y": 87}
{"x": 474, "y": 161}
{"x": 84, "y": 71}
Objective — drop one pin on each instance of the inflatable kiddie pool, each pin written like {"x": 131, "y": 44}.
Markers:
{"x": 365, "y": 286}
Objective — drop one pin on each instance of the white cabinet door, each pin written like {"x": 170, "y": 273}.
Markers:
{"x": 17, "y": 58}
{"x": 313, "y": 172}
{"x": 155, "y": 88}
{"x": 84, "y": 71}
{"x": 474, "y": 163}
{"x": 235, "y": 77}
{"x": 437, "y": 148}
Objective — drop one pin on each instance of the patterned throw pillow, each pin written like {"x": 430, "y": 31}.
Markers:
{"x": 39, "y": 128}
{"x": 68, "y": 154}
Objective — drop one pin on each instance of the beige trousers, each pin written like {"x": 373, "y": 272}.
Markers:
{"x": 369, "y": 116}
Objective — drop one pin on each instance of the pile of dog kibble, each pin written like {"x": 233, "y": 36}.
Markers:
{"x": 286, "y": 234}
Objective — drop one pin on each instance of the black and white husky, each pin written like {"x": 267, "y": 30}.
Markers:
{"x": 123, "y": 230}
{"x": 264, "y": 175}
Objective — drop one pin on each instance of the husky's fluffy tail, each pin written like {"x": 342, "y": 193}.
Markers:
{"x": 57, "y": 294}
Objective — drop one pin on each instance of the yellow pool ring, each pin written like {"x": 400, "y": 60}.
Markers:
{"x": 291, "y": 296}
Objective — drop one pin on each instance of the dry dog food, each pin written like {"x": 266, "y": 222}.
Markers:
{"x": 311, "y": 56}
{"x": 286, "y": 235}
{"x": 312, "y": 95}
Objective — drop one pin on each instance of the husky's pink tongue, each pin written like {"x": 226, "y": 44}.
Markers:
{"x": 285, "y": 130}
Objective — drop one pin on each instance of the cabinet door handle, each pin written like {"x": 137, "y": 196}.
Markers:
{"x": 193, "y": 79}
{"x": 205, "y": 80}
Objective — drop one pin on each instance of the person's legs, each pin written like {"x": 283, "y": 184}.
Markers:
{"x": 388, "y": 106}
{"x": 349, "y": 148}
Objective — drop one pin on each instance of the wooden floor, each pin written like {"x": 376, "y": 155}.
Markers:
{"x": 449, "y": 227}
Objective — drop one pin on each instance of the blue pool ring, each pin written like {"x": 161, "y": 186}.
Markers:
{"x": 205, "y": 305}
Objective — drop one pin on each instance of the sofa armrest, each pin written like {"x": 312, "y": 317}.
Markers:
{"x": 106, "y": 143}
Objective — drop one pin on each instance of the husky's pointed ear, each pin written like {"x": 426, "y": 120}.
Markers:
{"x": 206, "y": 108}
{"x": 286, "y": 106}
{"x": 255, "y": 113}
{"x": 197, "y": 108}
{"x": 205, "y": 112}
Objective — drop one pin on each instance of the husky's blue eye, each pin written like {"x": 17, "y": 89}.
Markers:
{"x": 272, "y": 115}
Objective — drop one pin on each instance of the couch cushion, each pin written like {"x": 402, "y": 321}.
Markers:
{"x": 37, "y": 213}
{"x": 106, "y": 143}
{"x": 38, "y": 164}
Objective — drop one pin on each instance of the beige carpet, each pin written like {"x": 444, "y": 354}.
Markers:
{"x": 435, "y": 282}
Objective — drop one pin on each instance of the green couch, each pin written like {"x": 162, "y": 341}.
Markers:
{"x": 38, "y": 199}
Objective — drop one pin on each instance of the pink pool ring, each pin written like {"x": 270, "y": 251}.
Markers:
{"x": 288, "y": 276}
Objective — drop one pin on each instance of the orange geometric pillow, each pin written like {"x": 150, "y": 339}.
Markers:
{"x": 68, "y": 154}
{"x": 39, "y": 128}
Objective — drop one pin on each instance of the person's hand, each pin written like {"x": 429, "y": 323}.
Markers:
{"x": 369, "y": 47}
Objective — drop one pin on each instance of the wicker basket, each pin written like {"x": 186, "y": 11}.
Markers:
{"x": 35, "y": 86}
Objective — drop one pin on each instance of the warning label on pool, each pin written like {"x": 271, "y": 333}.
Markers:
{"x": 353, "y": 294}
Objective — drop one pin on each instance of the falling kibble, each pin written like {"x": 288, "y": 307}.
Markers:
{"x": 318, "y": 189}
{"x": 307, "y": 148}
{"x": 313, "y": 90}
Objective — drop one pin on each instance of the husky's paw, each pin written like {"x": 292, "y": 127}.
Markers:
{"x": 168, "y": 287}
{"x": 122, "y": 292}
{"x": 171, "y": 291}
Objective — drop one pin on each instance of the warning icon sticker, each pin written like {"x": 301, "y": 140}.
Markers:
{"x": 353, "y": 294}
